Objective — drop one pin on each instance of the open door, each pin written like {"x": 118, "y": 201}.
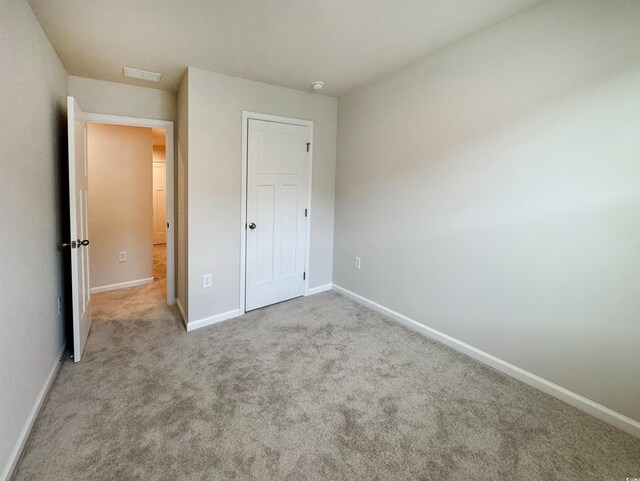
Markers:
{"x": 78, "y": 221}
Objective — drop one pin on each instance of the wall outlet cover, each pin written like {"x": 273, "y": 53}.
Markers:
{"x": 356, "y": 263}
{"x": 122, "y": 256}
{"x": 206, "y": 281}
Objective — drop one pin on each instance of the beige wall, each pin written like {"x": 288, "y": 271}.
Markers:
{"x": 492, "y": 191}
{"x": 215, "y": 105}
{"x": 182, "y": 148}
{"x": 33, "y": 87}
{"x": 102, "y": 97}
{"x": 120, "y": 203}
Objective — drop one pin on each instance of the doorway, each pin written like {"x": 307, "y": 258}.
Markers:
{"x": 276, "y": 209}
{"x": 148, "y": 218}
{"x": 78, "y": 242}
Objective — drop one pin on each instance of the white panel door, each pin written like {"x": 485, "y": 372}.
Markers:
{"x": 78, "y": 221}
{"x": 159, "y": 203}
{"x": 277, "y": 193}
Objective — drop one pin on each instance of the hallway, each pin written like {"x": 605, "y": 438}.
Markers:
{"x": 142, "y": 302}
{"x": 159, "y": 262}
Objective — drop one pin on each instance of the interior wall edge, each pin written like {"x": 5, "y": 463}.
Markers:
{"x": 183, "y": 316}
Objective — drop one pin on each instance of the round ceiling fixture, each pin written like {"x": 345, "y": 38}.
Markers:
{"x": 317, "y": 85}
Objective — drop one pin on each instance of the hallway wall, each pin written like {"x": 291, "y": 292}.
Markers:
{"x": 120, "y": 205}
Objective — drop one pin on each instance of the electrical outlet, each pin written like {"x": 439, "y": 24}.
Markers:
{"x": 122, "y": 256}
{"x": 59, "y": 305}
{"x": 206, "y": 281}
{"x": 356, "y": 263}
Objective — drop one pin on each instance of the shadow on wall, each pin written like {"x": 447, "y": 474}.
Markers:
{"x": 497, "y": 180}
{"x": 64, "y": 255}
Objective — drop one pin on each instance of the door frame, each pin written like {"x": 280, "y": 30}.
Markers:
{"x": 170, "y": 187}
{"x": 246, "y": 116}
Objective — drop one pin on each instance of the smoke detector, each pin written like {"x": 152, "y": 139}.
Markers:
{"x": 317, "y": 85}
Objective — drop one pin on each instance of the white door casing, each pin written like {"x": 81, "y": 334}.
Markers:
{"x": 277, "y": 198}
{"x": 167, "y": 125}
{"x": 159, "y": 203}
{"x": 79, "y": 227}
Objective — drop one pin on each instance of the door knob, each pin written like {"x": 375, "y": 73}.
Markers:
{"x": 83, "y": 242}
{"x": 252, "y": 226}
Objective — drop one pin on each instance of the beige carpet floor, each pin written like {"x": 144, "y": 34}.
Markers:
{"x": 159, "y": 261}
{"x": 310, "y": 389}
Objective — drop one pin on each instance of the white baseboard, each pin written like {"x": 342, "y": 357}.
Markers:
{"x": 207, "y": 321}
{"x": 121, "y": 285}
{"x": 182, "y": 314}
{"x": 31, "y": 419}
{"x": 317, "y": 290}
{"x": 603, "y": 413}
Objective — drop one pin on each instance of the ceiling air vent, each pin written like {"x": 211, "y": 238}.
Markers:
{"x": 141, "y": 74}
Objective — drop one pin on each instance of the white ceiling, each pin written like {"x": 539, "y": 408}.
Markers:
{"x": 291, "y": 43}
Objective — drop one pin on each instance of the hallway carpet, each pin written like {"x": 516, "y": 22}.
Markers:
{"x": 314, "y": 388}
{"x": 159, "y": 261}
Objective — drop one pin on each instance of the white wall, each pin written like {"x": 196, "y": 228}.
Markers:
{"x": 102, "y": 97}
{"x": 215, "y": 105}
{"x": 33, "y": 87}
{"x": 120, "y": 203}
{"x": 493, "y": 192}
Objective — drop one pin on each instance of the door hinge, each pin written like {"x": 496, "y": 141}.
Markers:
{"x": 304, "y": 276}
{"x": 308, "y": 145}
{"x": 305, "y": 212}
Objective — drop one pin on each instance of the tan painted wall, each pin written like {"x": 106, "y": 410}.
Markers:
{"x": 492, "y": 190}
{"x": 120, "y": 203}
{"x": 33, "y": 89}
{"x": 182, "y": 247}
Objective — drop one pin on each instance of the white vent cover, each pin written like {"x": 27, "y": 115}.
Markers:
{"x": 141, "y": 74}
